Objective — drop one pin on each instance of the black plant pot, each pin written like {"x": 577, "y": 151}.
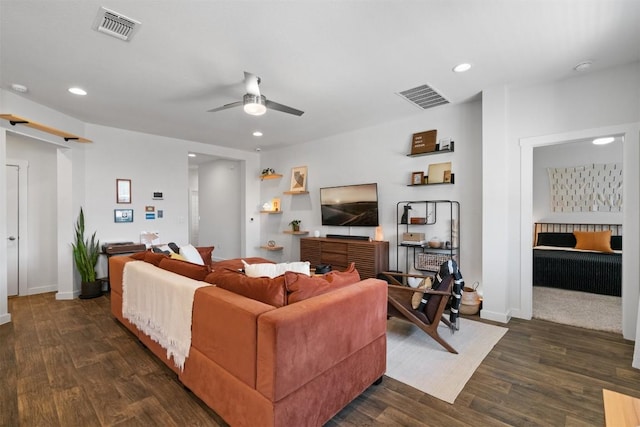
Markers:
{"x": 91, "y": 289}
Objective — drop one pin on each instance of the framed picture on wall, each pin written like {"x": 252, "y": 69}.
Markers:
{"x": 123, "y": 191}
{"x": 417, "y": 178}
{"x": 123, "y": 215}
{"x": 299, "y": 179}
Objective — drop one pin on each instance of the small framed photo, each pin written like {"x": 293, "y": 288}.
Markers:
{"x": 417, "y": 178}
{"x": 299, "y": 179}
{"x": 123, "y": 215}
{"x": 123, "y": 191}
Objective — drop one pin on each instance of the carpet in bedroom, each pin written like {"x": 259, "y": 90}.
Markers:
{"x": 582, "y": 309}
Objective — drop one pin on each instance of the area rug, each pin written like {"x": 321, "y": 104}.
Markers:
{"x": 582, "y": 309}
{"x": 414, "y": 358}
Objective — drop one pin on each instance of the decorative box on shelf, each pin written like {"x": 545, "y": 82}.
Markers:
{"x": 424, "y": 142}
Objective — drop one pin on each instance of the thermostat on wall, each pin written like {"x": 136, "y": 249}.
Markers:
{"x": 157, "y": 195}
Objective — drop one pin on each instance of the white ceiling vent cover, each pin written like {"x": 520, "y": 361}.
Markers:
{"x": 423, "y": 96}
{"x": 115, "y": 24}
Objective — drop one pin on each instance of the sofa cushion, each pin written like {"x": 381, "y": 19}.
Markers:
{"x": 301, "y": 287}
{"x": 184, "y": 268}
{"x": 264, "y": 289}
{"x": 138, "y": 256}
{"x": 150, "y": 257}
{"x": 191, "y": 254}
{"x": 272, "y": 270}
{"x": 205, "y": 253}
{"x": 236, "y": 263}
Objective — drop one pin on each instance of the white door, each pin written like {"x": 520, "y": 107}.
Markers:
{"x": 13, "y": 254}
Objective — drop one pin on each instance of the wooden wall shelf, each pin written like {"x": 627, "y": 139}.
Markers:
{"x": 430, "y": 153}
{"x": 301, "y": 232}
{"x": 272, "y": 248}
{"x": 271, "y": 212}
{"x": 295, "y": 193}
{"x": 270, "y": 176}
{"x": 427, "y": 185}
{"x": 17, "y": 120}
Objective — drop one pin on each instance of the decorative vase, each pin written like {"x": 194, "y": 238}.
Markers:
{"x": 91, "y": 289}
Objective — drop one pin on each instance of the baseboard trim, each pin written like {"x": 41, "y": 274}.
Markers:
{"x": 67, "y": 295}
{"x": 5, "y": 318}
{"x": 42, "y": 290}
{"x": 495, "y": 316}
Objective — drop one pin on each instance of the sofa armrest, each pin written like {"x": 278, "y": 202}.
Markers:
{"x": 116, "y": 268}
{"x": 298, "y": 342}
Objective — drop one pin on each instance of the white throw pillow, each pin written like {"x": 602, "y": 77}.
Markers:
{"x": 274, "y": 270}
{"x": 191, "y": 254}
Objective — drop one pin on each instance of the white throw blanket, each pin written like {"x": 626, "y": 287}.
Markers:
{"x": 160, "y": 304}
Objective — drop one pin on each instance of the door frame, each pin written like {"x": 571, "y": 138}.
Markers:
{"x": 23, "y": 240}
{"x": 630, "y": 291}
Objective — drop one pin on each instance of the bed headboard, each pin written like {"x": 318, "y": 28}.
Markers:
{"x": 554, "y": 227}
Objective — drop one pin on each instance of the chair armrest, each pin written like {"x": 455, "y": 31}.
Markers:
{"x": 424, "y": 291}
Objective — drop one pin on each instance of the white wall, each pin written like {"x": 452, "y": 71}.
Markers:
{"x": 588, "y": 101}
{"x": 220, "y": 207}
{"x": 379, "y": 154}
{"x": 42, "y": 268}
{"x": 86, "y": 176}
{"x": 570, "y": 155}
{"x": 152, "y": 164}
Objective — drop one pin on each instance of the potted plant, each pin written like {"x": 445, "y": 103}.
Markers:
{"x": 267, "y": 172}
{"x": 85, "y": 255}
{"x": 295, "y": 225}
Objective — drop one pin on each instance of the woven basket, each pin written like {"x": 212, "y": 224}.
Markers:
{"x": 430, "y": 262}
{"x": 469, "y": 309}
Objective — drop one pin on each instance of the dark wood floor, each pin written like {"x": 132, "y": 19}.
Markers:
{"x": 69, "y": 363}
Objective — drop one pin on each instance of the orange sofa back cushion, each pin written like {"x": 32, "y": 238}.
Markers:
{"x": 184, "y": 268}
{"x": 302, "y": 287}
{"x": 268, "y": 291}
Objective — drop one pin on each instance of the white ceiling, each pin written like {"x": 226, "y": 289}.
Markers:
{"x": 342, "y": 62}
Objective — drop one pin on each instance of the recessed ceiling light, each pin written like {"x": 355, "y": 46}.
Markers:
{"x": 583, "y": 66}
{"x": 461, "y": 68}
{"x": 603, "y": 141}
{"x": 191, "y": 155}
{"x": 77, "y": 91}
{"x": 257, "y": 133}
{"x": 19, "y": 88}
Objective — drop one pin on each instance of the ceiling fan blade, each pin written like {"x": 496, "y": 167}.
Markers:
{"x": 285, "y": 109}
{"x": 225, "y": 106}
{"x": 252, "y": 83}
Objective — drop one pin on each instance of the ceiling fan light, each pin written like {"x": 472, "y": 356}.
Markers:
{"x": 254, "y": 104}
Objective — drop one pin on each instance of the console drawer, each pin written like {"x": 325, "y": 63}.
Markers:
{"x": 335, "y": 247}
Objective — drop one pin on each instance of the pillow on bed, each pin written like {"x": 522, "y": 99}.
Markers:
{"x": 567, "y": 240}
{"x": 593, "y": 240}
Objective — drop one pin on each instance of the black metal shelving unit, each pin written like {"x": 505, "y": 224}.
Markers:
{"x": 434, "y": 216}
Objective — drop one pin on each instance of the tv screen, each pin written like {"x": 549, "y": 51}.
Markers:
{"x": 350, "y": 205}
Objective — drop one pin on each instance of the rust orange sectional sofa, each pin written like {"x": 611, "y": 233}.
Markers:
{"x": 275, "y": 363}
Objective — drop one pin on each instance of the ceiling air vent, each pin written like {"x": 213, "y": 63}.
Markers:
{"x": 423, "y": 96}
{"x": 115, "y": 24}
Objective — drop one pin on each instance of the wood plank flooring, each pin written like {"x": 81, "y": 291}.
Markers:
{"x": 69, "y": 363}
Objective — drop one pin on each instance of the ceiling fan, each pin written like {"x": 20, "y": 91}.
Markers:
{"x": 254, "y": 103}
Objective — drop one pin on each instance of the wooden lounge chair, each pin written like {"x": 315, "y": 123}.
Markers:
{"x": 399, "y": 305}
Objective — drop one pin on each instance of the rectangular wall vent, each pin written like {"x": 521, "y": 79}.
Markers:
{"x": 115, "y": 24}
{"x": 423, "y": 96}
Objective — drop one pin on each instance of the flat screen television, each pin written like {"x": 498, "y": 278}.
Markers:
{"x": 350, "y": 205}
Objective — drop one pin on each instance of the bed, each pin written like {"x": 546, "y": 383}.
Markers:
{"x": 558, "y": 264}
